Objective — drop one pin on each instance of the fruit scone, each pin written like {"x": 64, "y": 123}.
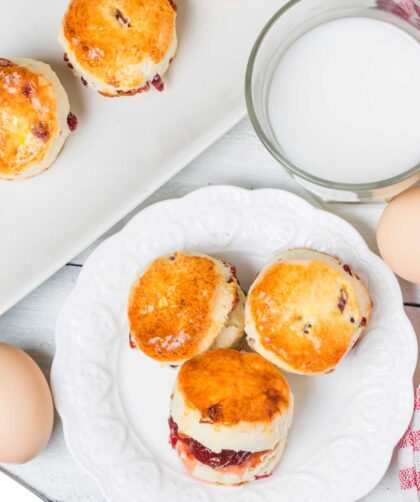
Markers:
{"x": 119, "y": 47}
{"x": 184, "y": 304}
{"x": 305, "y": 311}
{"x": 230, "y": 413}
{"x": 35, "y": 117}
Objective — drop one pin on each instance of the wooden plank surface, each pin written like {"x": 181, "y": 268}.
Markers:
{"x": 236, "y": 159}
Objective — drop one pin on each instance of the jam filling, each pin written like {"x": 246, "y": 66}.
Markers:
{"x": 208, "y": 457}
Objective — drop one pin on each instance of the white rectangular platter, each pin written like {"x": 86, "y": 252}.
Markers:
{"x": 124, "y": 148}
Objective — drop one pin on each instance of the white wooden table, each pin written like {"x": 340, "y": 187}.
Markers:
{"x": 237, "y": 158}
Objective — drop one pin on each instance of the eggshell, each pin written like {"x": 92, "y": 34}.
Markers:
{"x": 398, "y": 235}
{"x": 26, "y": 407}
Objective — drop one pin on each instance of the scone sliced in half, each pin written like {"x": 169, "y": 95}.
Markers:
{"x": 185, "y": 304}
{"x": 305, "y": 311}
{"x": 230, "y": 416}
{"x": 119, "y": 47}
{"x": 35, "y": 118}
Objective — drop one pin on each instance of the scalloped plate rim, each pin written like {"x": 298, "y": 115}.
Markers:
{"x": 146, "y": 212}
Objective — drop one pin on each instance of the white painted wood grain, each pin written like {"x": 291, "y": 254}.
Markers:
{"x": 237, "y": 159}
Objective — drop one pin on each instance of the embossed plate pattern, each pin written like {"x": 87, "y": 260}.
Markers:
{"x": 114, "y": 401}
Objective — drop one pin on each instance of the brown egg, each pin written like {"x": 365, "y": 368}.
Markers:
{"x": 398, "y": 235}
{"x": 26, "y": 407}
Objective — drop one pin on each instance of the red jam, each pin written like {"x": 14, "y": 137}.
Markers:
{"x": 208, "y": 457}
{"x": 72, "y": 122}
{"x": 173, "y": 432}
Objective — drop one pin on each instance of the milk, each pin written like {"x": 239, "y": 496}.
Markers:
{"x": 344, "y": 103}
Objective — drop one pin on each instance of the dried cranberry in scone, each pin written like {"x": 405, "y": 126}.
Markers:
{"x": 72, "y": 122}
{"x": 157, "y": 83}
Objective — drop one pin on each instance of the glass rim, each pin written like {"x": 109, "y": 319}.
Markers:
{"x": 282, "y": 159}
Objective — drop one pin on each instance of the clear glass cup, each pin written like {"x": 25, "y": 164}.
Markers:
{"x": 287, "y": 25}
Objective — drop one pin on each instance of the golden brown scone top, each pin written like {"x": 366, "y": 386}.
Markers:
{"x": 28, "y": 120}
{"x": 303, "y": 313}
{"x": 171, "y": 305}
{"x": 108, "y": 37}
{"x": 227, "y": 387}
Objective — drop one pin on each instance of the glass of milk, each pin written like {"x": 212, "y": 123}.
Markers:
{"x": 333, "y": 91}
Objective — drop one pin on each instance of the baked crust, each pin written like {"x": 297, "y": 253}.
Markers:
{"x": 228, "y": 387}
{"x": 179, "y": 305}
{"x": 111, "y": 40}
{"x": 305, "y": 314}
{"x": 28, "y": 118}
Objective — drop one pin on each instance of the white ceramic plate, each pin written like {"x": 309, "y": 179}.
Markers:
{"x": 114, "y": 401}
{"x": 124, "y": 148}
